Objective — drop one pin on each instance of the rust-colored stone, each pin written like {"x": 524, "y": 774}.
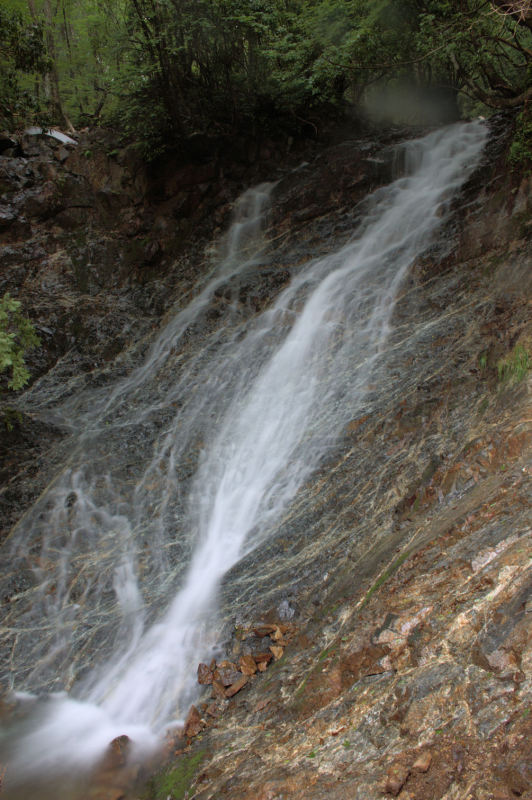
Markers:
{"x": 262, "y": 658}
{"x": 277, "y": 634}
{"x": 225, "y": 664}
{"x": 264, "y": 630}
{"x": 236, "y": 686}
{"x": 204, "y": 675}
{"x": 194, "y": 723}
{"x": 226, "y": 675}
{"x": 396, "y": 779}
{"x": 422, "y": 762}
{"x": 218, "y": 689}
{"x": 248, "y": 665}
{"x": 117, "y": 752}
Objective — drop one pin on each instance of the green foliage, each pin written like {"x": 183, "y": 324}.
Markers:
{"x": 208, "y": 67}
{"x": 17, "y": 336}
{"x": 21, "y": 53}
{"x": 482, "y": 53}
{"x": 174, "y": 783}
{"x": 164, "y": 71}
{"x": 520, "y": 154}
{"x": 515, "y": 366}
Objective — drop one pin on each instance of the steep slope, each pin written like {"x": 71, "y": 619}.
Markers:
{"x": 400, "y": 574}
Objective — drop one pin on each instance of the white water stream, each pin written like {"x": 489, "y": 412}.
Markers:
{"x": 229, "y": 432}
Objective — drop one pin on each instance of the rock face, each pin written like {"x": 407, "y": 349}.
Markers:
{"x": 406, "y": 667}
{"x": 97, "y": 244}
{"x": 409, "y": 672}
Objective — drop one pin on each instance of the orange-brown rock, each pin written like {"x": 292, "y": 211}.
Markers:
{"x": 204, "y": 675}
{"x": 396, "y": 779}
{"x": 248, "y": 665}
{"x": 264, "y": 630}
{"x": 218, "y": 689}
{"x": 362, "y": 662}
{"x": 194, "y": 723}
{"x": 226, "y": 673}
{"x": 278, "y": 634}
{"x": 422, "y": 762}
{"x": 117, "y": 752}
{"x": 236, "y": 686}
{"x": 262, "y": 658}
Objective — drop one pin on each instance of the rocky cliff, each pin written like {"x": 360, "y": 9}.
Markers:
{"x": 394, "y": 599}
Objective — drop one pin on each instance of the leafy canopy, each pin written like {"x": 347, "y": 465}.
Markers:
{"x": 21, "y": 53}
{"x": 162, "y": 71}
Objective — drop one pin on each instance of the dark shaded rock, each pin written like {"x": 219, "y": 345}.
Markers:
{"x": 7, "y": 143}
{"x": 7, "y": 217}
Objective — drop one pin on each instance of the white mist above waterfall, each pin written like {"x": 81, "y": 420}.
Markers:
{"x": 260, "y": 405}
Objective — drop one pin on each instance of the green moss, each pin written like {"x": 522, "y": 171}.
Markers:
{"x": 327, "y": 652}
{"x": 385, "y": 576}
{"x": 515, "y": 366}
{"x": 174, "y": 782}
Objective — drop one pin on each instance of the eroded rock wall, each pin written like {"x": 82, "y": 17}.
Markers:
{"x": 404, "y": 567}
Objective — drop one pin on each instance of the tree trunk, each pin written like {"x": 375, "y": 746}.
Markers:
{"x": 55, "y": 95}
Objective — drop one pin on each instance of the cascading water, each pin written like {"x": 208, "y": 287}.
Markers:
{"x": 188, "y": 464}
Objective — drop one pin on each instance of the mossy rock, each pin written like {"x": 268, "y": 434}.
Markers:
{"x": 174, "y": 781}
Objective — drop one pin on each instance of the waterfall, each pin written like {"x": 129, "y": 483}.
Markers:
{"x": 187, "y": 465}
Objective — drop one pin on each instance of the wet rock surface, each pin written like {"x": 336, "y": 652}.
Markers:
{"x": 405, "y": 562}
{"x": 409, "y": 674}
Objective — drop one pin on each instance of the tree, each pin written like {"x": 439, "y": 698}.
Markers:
{"x": 161, "y": 71}
{"x": 22, "y": 52}
{"x": 484, "y": 49}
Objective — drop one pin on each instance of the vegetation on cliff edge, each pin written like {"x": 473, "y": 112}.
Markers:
{"x": 17, "y": 336}
{"x": 162, "y": 71}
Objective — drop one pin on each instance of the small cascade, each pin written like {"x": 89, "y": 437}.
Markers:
{"x": 189, "y": 463}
